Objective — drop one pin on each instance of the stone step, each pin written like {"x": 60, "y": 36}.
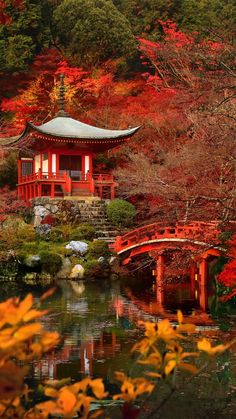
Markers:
{"x": 106, "y": 239}
{"x": 110, "y": 230}
{"x": 105, "y": 234}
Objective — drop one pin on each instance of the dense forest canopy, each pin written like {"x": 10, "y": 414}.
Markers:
{"x": 167, "y": 65}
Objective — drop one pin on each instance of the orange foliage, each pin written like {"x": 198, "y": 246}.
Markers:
{"x": 23, "y": 338}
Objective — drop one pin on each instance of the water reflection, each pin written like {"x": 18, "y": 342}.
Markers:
{"x": 99, "y": 324}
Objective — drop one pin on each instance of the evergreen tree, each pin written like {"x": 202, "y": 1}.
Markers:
{"x": 92, "y": 30}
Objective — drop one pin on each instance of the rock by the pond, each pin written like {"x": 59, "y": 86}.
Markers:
{"x": 77, "y": 272}
{"x": 32, "y": 261}
{"x": 65, "y": 269}
{"x": 78, "y": 247}
{"x": 43, "y": 230}
{"x": 101, "y": 260}
{"x": 39, "y": 213}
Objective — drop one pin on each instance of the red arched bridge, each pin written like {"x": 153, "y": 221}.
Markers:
{"x": 201, "y": 238}
{"x": 156, "y": 237}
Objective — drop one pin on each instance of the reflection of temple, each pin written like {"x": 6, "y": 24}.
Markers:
{"x": 85, "y": 352}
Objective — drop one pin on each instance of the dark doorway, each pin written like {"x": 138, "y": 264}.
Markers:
{"x": 71, "y": 164}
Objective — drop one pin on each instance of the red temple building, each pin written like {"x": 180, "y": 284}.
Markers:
{"x": 61, "y": 157}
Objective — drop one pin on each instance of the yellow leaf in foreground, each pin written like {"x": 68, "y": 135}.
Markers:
{"x": 66, "y": 400}
{"x": 180, "y": 317}
{"x": 28, "y": 331}
{"x": 49, "y": 340}
{"x": 98, "y": 388}
{"x": 188, "y": 367}
{"x": 50, "y": 392}
{"x": 34, "y": 314}
{"x": 170, "y": 367}
{"x": 205, "y": 345}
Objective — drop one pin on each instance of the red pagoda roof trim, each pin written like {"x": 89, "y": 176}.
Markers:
{"x": 64, "y": 129}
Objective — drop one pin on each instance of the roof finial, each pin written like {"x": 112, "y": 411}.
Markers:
{"x": 61, "y": 100}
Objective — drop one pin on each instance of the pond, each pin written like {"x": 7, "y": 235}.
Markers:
{"x": 98, "y": 322}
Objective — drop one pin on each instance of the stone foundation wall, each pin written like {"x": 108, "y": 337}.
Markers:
{"x": 65, "y": 212}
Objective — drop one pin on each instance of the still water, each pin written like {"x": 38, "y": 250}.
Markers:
{"x": 98, "y": 322}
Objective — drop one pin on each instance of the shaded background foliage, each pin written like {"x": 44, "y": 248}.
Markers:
{"x": 166, "y": 65}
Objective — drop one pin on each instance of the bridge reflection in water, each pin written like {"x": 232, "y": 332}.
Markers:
{"x": 99, "y": 328}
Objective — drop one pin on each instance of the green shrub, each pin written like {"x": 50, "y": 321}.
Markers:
{"x": 121, "y": 213}
{"x": 60, "y": 234}
{"x": 50, "y": 262}
{"x": 83, "y": 232}
{"x": 92, "y": 269}
{"x": 98, "y": 248}
{"x": 15, "y": 233}
{"x": 56, "y": 235}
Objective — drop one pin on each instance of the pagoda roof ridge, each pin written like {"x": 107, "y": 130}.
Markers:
{"x": 67, "y": 127}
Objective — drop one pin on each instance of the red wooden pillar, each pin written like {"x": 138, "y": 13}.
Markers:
{"x": 203, "y": 284}
{"x": 160, "y": 270}
{"x": 52, "y": 190}
{"x": 203, "y": 272}
{"x": 112, "y": 192}
{"x": 31, "y": 190}
{"x": 83, "y": 174}
{"x": 19, "y": 170}
{"x": 49, "y": 165}
{"x": 35, "y": 190}
{"x": 91, "y": 165}
{"x": 39, "y": 189}
{"x": 193, "y": 273}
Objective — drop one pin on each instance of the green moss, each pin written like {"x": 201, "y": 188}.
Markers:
{"x": 93, "y": 269}
{"x": 50, "y": 262}
{"x": 98, "y": 248}
{"x": 83, "y": 232}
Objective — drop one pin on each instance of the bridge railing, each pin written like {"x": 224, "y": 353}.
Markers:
{"x": 193, "y": 231}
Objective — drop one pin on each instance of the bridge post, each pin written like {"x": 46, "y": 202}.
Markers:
{"x": 160, "y": 278}
{"x": 203, "y": 271}
{"x": 193, "y": 271}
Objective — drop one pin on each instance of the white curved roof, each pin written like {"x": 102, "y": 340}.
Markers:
{"x": 71, "y": 128}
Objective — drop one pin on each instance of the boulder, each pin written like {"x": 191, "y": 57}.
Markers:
{"x": 39, "y": 213}
{"x": 65, "y": 269}
{"x": 43, "y": 230}
{"x": 32, "y": 261}
{"x": 77, "y": 272}
{"x": 78, "y": 247}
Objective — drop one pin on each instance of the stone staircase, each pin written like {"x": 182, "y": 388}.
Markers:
{"x": 80, "y": 192}
{"x": 93, "y": 211}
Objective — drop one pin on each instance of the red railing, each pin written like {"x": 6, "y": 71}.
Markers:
{"x": 45, "y": 176}
{"x": 103, "y": 178}
{"x": 70, "y": 180}
{"x": 195, "y": 230}
{"x": 61, "y": 175}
